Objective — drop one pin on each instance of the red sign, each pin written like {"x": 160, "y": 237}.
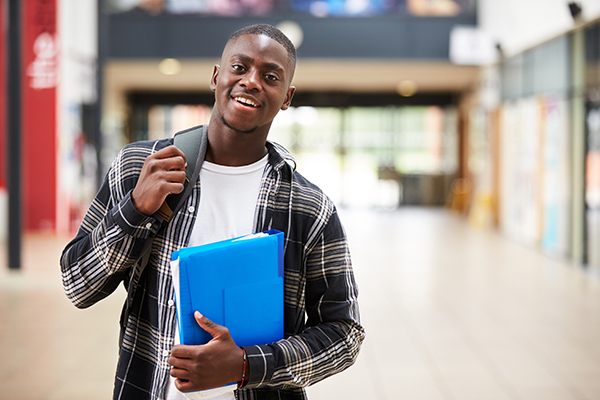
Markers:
{"x": 40, "y": 77}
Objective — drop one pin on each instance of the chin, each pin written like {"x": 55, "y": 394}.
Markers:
{"x": 238, "y": 129}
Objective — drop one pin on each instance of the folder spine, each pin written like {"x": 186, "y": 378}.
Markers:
{"x": 186, "y": 330}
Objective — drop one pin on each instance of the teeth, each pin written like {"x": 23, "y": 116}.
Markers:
{"x": 246, "y": 101}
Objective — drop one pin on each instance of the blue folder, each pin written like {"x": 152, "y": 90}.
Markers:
{"x": 237, "y": 283}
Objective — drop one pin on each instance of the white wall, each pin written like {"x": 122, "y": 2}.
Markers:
{"x": 521, "y": 24}
{"x": 78, "y": 38}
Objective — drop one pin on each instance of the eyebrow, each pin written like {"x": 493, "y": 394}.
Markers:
{"x": 269, "y": 65}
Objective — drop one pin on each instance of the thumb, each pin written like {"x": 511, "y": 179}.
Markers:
{"x": 215, "y": 330}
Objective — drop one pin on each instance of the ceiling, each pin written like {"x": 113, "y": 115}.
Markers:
{"x": 312, "y": 75}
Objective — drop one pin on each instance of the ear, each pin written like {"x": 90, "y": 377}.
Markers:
{"x": 213, "y": 79}
{"x": 288, "y": 97}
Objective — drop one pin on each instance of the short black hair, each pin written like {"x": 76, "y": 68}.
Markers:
{"x": 271, "y": 32}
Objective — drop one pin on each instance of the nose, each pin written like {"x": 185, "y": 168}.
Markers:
{"x": 251, "y": 80}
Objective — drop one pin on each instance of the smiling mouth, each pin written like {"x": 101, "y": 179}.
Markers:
{"x": 246, "y": 102}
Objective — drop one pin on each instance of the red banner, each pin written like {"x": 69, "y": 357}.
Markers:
{"x": 40, "y": 77}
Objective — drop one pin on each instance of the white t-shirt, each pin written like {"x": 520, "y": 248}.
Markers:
{"x": 228, "y": 198}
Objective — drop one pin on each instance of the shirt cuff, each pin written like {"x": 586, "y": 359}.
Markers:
{"x": 132, "y": 221}
{"x": 261, "y": 362}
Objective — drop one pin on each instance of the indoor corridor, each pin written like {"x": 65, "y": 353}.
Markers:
{"x": 451, "y": 313}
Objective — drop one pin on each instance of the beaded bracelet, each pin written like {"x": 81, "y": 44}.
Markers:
{"x": 241, "y": 384}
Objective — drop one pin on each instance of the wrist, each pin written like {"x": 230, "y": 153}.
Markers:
{"x": 136, "y": 205}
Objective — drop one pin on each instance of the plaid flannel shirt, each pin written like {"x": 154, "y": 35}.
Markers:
{"x": 323, "y": 334}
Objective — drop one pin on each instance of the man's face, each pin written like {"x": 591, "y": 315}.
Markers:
{"x": 253, "y": 83}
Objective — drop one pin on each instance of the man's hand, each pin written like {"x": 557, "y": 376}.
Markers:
{"x": 208, "y": 366}
{"x": 163, "y": 173}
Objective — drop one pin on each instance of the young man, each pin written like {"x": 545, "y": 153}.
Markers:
{"x": 246, "y": 185}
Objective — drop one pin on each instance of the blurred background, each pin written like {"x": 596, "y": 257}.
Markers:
{"x": 462, "y": 144}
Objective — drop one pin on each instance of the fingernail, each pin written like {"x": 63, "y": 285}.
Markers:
{"x": 199, "y": 315}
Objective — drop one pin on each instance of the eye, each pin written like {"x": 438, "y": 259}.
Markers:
{"x": 238, "y": 67}
{"x": 272, "y": 77}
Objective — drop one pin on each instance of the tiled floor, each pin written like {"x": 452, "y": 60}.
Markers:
{"x": 451, "y": 313}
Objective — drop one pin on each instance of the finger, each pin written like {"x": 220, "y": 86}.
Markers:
{"x": 174, "y": 176}
{"x": 185, "y": 386}
{"x": 168, "y": 152}
{"x": 167, "y": 188}
{"x": 209, "y": 326}
{"x": 180, "y": 373}
{"x": 171, "y": 187}
{"x": 181, "y": 352}
{"x": 178, "y": 361}
{"x": 175, "y": 163}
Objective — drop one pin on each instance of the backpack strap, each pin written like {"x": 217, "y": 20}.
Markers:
{"x": 193, "y": 143}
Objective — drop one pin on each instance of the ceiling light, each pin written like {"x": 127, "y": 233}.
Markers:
{"x": 293, "y": 31}
{"x": 169, "y": 66}
{"x": 406, "y": 88}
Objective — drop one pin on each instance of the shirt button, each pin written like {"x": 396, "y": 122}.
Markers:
{"x": 165, "y": 353}
{"x": 171, "y": 303}
{"x": 191, "y": 209}
{"x": 148, "y": 225}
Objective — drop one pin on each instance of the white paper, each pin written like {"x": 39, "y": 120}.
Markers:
{"x": 220, "y": 393}
{"x": 175, "y": 276}
{"x": 252, "y": 236}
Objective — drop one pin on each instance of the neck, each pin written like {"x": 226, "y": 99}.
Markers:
{"x": 233, "y": 148}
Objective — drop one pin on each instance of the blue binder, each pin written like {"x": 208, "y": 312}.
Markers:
{"x": 237, "y": 283}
